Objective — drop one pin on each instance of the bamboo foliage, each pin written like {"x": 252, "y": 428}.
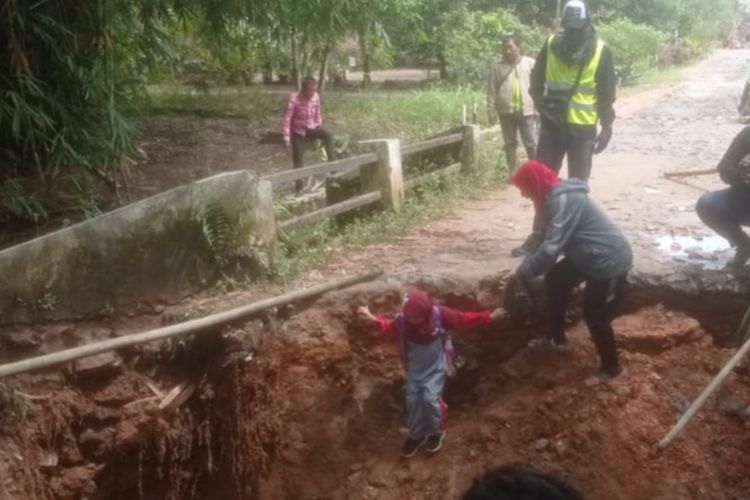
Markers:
{"x": 73, "y": 69}
{"x": 62, "y": 85}
{"x": 72, "y": 72}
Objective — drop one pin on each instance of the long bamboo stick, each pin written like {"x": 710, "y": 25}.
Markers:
{"x": 710, "y": 388}
{"x": 689, "y": 173}
{"x": 199, "y": 325}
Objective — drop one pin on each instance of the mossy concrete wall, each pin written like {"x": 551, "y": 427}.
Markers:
{"x": 158, "y": 249}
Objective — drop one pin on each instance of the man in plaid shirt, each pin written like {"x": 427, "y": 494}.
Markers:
{"x": 302, "y": 121}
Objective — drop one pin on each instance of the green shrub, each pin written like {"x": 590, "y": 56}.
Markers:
{"x": 704, "y": 36}
{"x": 635, "y": 46}
{"x": 475, "y": 38}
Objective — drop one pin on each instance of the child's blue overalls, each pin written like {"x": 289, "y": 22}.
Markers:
{"x": 426, "y": 368}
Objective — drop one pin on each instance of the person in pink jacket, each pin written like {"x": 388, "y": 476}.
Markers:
{"x": 303, "y": 122}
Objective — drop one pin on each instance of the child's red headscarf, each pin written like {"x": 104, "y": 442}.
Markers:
{"x": 535, "y": 179}
{"x": 418, "y": 304}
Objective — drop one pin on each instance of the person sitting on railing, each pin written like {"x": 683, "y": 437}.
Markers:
{"x": 423, "y": 333}
{"x": 303, "y": 121}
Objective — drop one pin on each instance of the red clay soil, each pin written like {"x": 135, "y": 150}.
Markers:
{"x": 318, "y": 414}
{"x": 343, "y": 417}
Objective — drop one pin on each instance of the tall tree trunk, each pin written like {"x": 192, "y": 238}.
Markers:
{"x": 364, "y": 50}
{"x": 295, "y": 68}
{"x": 442, "y": 65}
{"x": 267, "y": 72}
{"x": 305, "y": 65}
{"x": 266, "y": 65}
{"x": 323, "y": 67}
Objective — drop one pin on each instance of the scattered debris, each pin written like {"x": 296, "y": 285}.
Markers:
{"x": 49, "y": 460}
{"x": 102, "y": 365}
{"x": 177, "y": 396}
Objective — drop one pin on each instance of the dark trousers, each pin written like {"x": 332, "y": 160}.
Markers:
{"x": 725, "y": 212}
{"x": 600, "y": 301}
{"x": 513, "y": 125}
{"x": 555, "y": 142}
{"x": 298, "y": 147}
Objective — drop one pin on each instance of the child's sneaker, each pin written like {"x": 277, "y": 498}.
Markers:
{"x": 411, "y": 447}
{"x": 435, "y": 442}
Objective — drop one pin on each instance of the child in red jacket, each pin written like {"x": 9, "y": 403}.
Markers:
{"x": 423, "y": 333}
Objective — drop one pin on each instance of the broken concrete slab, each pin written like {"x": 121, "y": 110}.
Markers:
{"x": 158, "y": 249}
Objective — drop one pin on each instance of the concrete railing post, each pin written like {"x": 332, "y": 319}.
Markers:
{"x": 386, "y": 175}
{"x": 470, "y": 147}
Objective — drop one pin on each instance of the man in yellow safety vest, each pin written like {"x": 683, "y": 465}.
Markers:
{"x": 573, "y": 85}
{"x": 508, "y": 99}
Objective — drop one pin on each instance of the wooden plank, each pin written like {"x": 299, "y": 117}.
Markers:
{"x": 177, "y": 396}
{"x": 431, "y": 144}
{"x": 157, "y": 392}
{"x": 418, "y": 181}
{"x": 141, "y": 401}
{"x": 489, "y": 130}
{"x": 342, "y": 165}
{"x": 330, "y": 211}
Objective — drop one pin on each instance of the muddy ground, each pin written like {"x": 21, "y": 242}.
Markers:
{"x": 307, "y": 403}
{"x": 310, "y": 406}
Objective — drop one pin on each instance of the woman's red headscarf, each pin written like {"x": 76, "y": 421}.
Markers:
{"x": 417, "y": 304}
{"x": 534, "y": 179}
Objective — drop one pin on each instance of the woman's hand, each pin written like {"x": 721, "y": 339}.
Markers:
{"x": 364, "y": 312}
{"x": 498, "y": 314}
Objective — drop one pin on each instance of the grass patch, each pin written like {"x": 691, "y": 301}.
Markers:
{"x": 661, "y": 77}
{"x": 653, "y": 79}
{"x": 231, "y": 102}
{"x": 410, "y": 116}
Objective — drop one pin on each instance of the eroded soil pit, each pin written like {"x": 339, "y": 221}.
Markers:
{"x": 310, "y": 406}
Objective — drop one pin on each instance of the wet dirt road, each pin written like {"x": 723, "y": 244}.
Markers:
{"x": 684, "y": 127}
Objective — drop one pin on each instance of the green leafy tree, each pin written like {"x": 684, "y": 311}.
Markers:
{"x": 635, "y": 46}
{"x": 474, "y": 40}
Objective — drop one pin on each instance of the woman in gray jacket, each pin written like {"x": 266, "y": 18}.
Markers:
{"x": 594, "y": 250}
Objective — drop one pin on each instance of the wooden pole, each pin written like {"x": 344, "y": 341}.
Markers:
{"x": 689, "y": 173}
{"x": 715, "y": 383}
{"x": 199, "y": 325}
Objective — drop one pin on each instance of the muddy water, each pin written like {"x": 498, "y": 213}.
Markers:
{"x": 712, "y": 252}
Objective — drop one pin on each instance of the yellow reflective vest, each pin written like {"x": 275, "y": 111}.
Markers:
{"x": 560, "y": 76}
